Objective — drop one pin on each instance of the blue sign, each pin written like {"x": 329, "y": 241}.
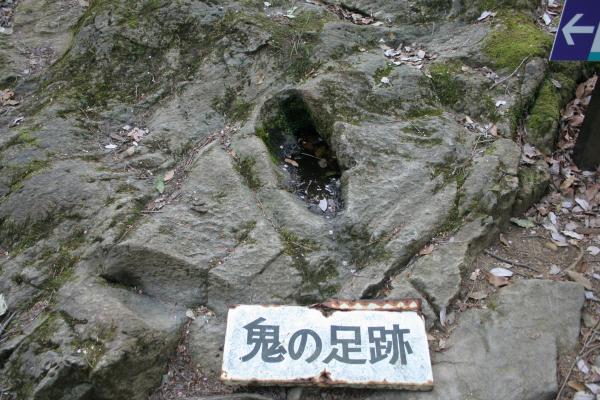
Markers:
{"x": 578, "y": 36}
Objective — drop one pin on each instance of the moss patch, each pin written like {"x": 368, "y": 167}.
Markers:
{"x": 292, "y": 41}
{"x": 382, "y": 72}
{"x": 544, "y": 113}
{"x": 444, "y": 83}
{"x": 514, "y": 39}
{"x": 245, "y": 166}
{"x": 233, "y": 105}
{"x": 315, "y": 279}
{"x": 21, "y": 173}
{"x": 17, "y": 237}
{"x": 366, "y": 250}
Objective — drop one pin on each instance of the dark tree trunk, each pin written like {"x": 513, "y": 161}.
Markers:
{"x": 587, "y": 149}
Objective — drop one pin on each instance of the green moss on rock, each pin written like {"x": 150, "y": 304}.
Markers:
{"x": 444, "y": 83}
{"x": 514, "y": 39}
{"x": 542, "y": 122}
{"x": 245, "y": 166}
{"x": 318, "y": 281}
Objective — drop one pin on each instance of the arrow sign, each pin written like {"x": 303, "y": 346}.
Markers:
{"x": 578, "y": 37}
{"x": 570, "y": 28}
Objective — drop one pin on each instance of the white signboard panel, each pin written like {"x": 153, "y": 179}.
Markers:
{"x": 290, "y": 345}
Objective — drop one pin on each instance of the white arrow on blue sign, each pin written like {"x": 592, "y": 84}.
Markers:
{"x": 578, "y": 36}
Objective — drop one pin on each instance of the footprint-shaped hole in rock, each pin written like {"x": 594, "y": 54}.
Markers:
{"x": 299, "y": 147}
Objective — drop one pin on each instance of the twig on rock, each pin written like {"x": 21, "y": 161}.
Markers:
{"x": 506, "y": 260}
{"x": 509, "y": 76}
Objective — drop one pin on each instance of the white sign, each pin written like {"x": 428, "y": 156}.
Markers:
{"x": 290, "y": 345}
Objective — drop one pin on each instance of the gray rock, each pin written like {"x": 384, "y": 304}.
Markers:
{"x": 90, "y": 266}
{"x": 533, "y": 183}
{"x": 508, "y": 351}
{"x": 402, "y": 289}
{"x": 438, "y": 275}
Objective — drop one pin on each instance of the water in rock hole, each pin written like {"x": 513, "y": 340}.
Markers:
{"x": 314, "y": 175}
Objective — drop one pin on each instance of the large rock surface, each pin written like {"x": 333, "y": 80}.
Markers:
{"x": 105, "y": 253}
{"x": 510, "y": 351}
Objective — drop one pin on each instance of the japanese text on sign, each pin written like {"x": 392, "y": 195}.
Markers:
{"x": 350, "y": 348}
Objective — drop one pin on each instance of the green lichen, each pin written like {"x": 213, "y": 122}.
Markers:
{"x": 382, "y": 72}
{"x": 292, "y": 41}
{"x": 365, "y": 249}
{"x": 341, "y": 102}
{"x": 18, "y": 237}
{"x": 132, "y": 70}
{"x": 232, "y": 105}
{"x": 315, "y": 278}
{"x": 515, "y": 38}
{"x": 457, "y": 173}
{"x": 242, "y": 232}
{"x": 20, "y": 173}
{"x": 24, "y": 137}
{"x": 489, "y": 108}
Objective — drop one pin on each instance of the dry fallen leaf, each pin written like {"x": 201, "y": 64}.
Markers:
{"x": 190, "y": 314}
{"x": 572, "y": 234}
{"x": 593, "y": 250}
{"x": 497, "y": 281}
{"x": 576, "y": 385}
{"x": 169, "y": 175}
{"x": 567, "y": 182}
{"x": 426, "y": 250}
{"x": 323, "y": 205}
{"x": 291, "y": 162}
{"x": 583, "y": 367}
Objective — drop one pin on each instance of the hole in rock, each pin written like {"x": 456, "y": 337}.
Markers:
{"x": 298, "y": 145}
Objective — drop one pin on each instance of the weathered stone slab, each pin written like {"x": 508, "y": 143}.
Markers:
{"x": 304, "y": 346}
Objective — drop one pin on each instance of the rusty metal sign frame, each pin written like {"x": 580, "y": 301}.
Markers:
{"x": 324, "y": 378}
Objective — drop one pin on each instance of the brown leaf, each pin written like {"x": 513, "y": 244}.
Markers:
{"x": 497, "y": 281}
{"x": 567, "y": 182}
{"x": 504, "y": 241}
{"x": 592, "y": 191}
{"x": 426, "y": 250}
{"x": 578, "y": 386}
